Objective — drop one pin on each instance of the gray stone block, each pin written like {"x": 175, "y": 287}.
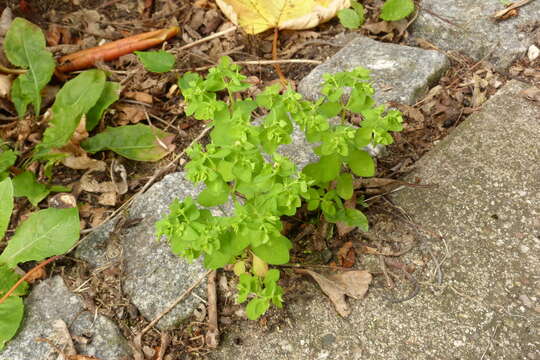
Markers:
{"x": 399, "y": 73}
{"x": 154, "y": 276}
{"x": 51, "y": 300}
{"x": 466, "y": 26}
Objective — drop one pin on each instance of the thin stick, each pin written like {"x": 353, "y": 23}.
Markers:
{"x": 27, "y": 275}
{"x": 212, "y": 335}
{"x": 499, "y": 14}
{"x": 282, "y": 78}
{"x": 173, "y": 305}
{"x": 208, "y": 38}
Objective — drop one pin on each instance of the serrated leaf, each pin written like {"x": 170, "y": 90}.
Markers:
{"x": 45, "y": 233}
{"x": 11, "y": 315}
{"x": 8, "y": 278}
{"x": 394, "y": 10}
{"x": 344, "y": 186}
{"x": 275, "y": 252}
{"x": 361, "y": 163}
{"x": 73, "y": 100}
{"x": 156, "y": 61}
{"x": 110, "y": 94}
{"x": 349, "y": 18}
{"x": 24, "y": 46}
{"x": 6, "y": 204}
{"x": 136, "y": 142}
{"x": 26, "y": 185}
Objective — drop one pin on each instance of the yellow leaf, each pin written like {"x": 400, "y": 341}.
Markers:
{"x": 256, "y": 16}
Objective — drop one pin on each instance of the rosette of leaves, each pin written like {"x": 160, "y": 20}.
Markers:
{"x": 242, "y": 166}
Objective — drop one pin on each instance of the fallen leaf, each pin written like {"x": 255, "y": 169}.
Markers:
{"x": 119, "y": 177}
{"x": 139, "y": 96}
{"x": 5, "y": 85}
{"x": 130, "y": 114}
{"x": 83, "y": 162}
{"x": 256, "y": 16}
{"x": 107, "y": 199}
{"x": 351, "y": 283}
{"x": 347, "y": 255}
{"x": 379, "y": 27}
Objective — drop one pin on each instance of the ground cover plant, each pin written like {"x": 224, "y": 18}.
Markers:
{"x": 242, "y": 165}
{"x": 78, "y": 108}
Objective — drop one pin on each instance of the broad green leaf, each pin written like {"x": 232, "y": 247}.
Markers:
{"x": 344, "y": 186}
{"x": 45, "y": 233}
{"x": 24, "y": 46}
{"x": 75, "y": 98}
{"x": 156, "y": 61}
{"x": 256, "y": 308}
{"x": 8, "y": 278}
{"x": 136, "y": 142}
{"x": 362, "y": 137}
{"x": 275, "y": 252}
{"x": 361, "y": 163}
{"x": 326, "y": 169}
{"x": 6, "y": 205}
{"x": 349, "y": 18}
{"x": 11, "y": 315}
{"x": 7, "y": 159}
{"x": 393, "y": 10}
{"x": 26, "y": 185}
{"x": 110, "y": 94}
{"x": 214, "y": 194}
{"x": 354, "y": 217}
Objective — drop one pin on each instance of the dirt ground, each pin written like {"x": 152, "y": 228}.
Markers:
{"x": 153, "y": 99}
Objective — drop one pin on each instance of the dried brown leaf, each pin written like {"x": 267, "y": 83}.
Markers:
{"x": 351, "y": 283}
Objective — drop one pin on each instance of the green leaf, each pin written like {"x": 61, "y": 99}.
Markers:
{"x": 362, "y": 137}
{"x": 24, "y": 46}
{"x": 26, "y": 185}
{"x": 136, "y": 142}
{"x": 45, "y": 233}
{"x": 156, "y": 61}
{"x": 326, "y": 169}
{"x": 393, "y": 10}
{"x": 7, "y": 159}
{"x": 256, "y": 308}
{"x": 354, "y": 217}
{"x": 349, "y": 18}
{"x": 75, "y": 98}
{"x": 274, "y": 252}
{"x": 110, "y": 94}
{"x": 215, "y": 193}
{"x": 8, "y": 278}
{"x": 6, "y": 205}
{"x": 11, "y": 315}
{"x": 361, "y": 163}
{"x": 344, "y": 186}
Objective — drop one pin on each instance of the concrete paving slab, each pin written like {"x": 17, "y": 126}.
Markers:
{"x": 487, "y": 208}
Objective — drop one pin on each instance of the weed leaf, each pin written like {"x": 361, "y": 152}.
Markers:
{"x": 349, "y": 18}
{"x": 394, "y": 10}
{"x": 8, "y": 278}
{"x": 26, "y": 185}
{"x": 6, "y": 205}
{"x": 110, "y": 94}
{"x": 11, "y": 315}
{"x": 45, "y": 233}
{"x": 156, "y": 61}
{"x": 136, "y": 142}
{"x": 75, "y": 98}
{"x": 24, "y": 46}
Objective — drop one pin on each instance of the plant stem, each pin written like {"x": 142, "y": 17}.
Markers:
{"x": 27, "y": 275}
